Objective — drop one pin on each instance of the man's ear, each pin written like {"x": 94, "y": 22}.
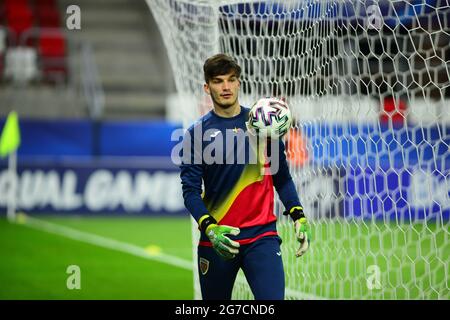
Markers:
{"x": 206, "y": 89}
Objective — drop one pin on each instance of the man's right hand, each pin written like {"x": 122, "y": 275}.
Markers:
{"x": 223, "y": 245}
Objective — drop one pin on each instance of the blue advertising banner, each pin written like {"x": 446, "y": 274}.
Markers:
{"x": 81, "y": 137}
{"x": 364, "y": 170}
{"x": 104, "y": 186}
{"x": 401, "y": 194}
{"x": 384, "y": 173}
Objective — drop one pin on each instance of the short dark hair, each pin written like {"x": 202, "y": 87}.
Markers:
{"x": 220, "y": 64}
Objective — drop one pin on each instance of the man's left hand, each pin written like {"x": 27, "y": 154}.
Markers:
{"x": 303, "y": 234}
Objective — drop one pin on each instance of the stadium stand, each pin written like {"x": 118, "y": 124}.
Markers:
{"x": 34, "y": 41}
{"x": 131, "y": 59}
{"x": 45, "y": 68}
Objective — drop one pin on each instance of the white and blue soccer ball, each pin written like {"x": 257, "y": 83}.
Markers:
{"x": 270, "y": 117}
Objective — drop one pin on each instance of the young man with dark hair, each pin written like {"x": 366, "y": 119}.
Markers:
{"x": 235, "y": 211}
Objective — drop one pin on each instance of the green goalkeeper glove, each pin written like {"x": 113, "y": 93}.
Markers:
{"x": 224, "y": 246}
{"x": 302, "y": 229}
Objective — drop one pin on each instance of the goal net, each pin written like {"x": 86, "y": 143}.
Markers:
{"x": 368, "y": 83}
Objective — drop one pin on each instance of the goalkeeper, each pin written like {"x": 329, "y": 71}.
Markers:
{"x": 235, "y": 213}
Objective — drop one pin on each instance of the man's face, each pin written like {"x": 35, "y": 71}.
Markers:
{"x": 223, "y": 89}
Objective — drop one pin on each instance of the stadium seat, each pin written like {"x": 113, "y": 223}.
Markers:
{"x": 394, "y": 111}
{"x": 52, "y": 54}
{"x": 19, "y": 17}
{"x": 10, "y": 4}
{"x": 20, "y": 64}
{"x": 52, "y": 45}
{"x": 48, "y": 17}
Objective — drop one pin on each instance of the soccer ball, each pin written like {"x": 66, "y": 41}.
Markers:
{"x": 270, "y": 117}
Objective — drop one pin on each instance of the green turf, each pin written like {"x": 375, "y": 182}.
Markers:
{"x": 171, "y": 234}
{"x": 412, "y": 259}
{"x": 34, "y": 263}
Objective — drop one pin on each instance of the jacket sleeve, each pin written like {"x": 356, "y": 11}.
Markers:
{"x": 283, "y": 183}
{"x": 191, "y": 175}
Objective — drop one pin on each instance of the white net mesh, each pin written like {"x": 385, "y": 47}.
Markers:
{"x": 368, "y": 83}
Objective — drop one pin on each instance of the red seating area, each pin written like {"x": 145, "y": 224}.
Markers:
{"x": 19, "y": 16}
{"x": 37, "y": 24}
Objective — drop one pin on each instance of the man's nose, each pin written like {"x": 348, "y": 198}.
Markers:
{"x": 226, "y": 85}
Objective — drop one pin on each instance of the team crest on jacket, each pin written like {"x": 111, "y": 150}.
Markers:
{"x": 204, "y": 266}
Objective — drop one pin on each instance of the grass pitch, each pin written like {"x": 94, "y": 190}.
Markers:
{"x": 412, "y": 260}
{"x": 34, "y": 262}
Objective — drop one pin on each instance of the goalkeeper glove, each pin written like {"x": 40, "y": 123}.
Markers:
{"x": 224, "y": 246}
{"x": 301, "y": 228}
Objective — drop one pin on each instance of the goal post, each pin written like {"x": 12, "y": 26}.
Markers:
{"x": 368, "y": 83}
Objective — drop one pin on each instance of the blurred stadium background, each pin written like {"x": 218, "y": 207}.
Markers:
{"x": 97, "y": 107}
